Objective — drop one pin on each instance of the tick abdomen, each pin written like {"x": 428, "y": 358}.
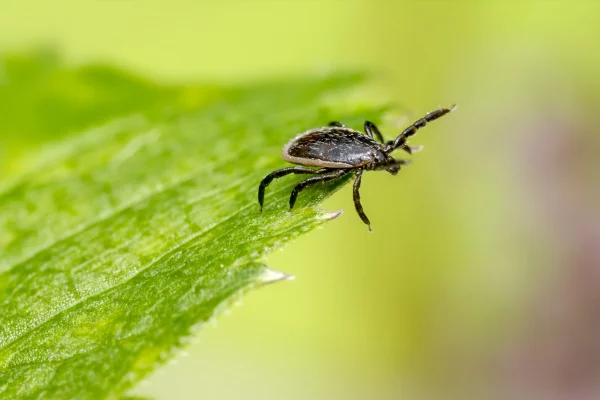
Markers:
{"x": 331, "y": 147}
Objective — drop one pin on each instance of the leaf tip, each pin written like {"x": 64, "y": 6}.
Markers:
{"x": 329, "y": 216}
{"x": 272, "y": 276}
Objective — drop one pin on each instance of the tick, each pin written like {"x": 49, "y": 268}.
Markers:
{"x": 337, "y": 150}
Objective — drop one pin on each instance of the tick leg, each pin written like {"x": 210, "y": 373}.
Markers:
{"x": 371, "y": 129}
{"x": 283, "y": 172}
{"x": 411, "y": 130}
{"x": 410, "y": 149}
{"x": 357, "y": 204}
{"x": 337, "y": 123}
{"x": 333, "y": 174}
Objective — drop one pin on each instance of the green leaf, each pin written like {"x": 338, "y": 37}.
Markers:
{"x": 119, "y": 241}
{"x": 42, "y": 99}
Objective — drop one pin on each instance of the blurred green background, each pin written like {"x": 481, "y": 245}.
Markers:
{"x": 481, "y": 278}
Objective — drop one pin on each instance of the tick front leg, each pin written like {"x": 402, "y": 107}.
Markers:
{"x": 357, "y": 204}
{"x": 331, "y": 175}
{"x": 283, "y": 172}
{"x": 411, "y": 130}
{"x": 371, "y": 129}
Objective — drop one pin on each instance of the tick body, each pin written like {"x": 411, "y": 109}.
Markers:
{"x": 337, "y": 150}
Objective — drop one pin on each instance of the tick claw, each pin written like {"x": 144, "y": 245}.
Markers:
{"x": 406, "y": 148}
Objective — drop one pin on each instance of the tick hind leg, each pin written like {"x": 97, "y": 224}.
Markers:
{"x": 283, "y": 172}
{"x": 329, "y": 176}
{"x": 357, "y": 204}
